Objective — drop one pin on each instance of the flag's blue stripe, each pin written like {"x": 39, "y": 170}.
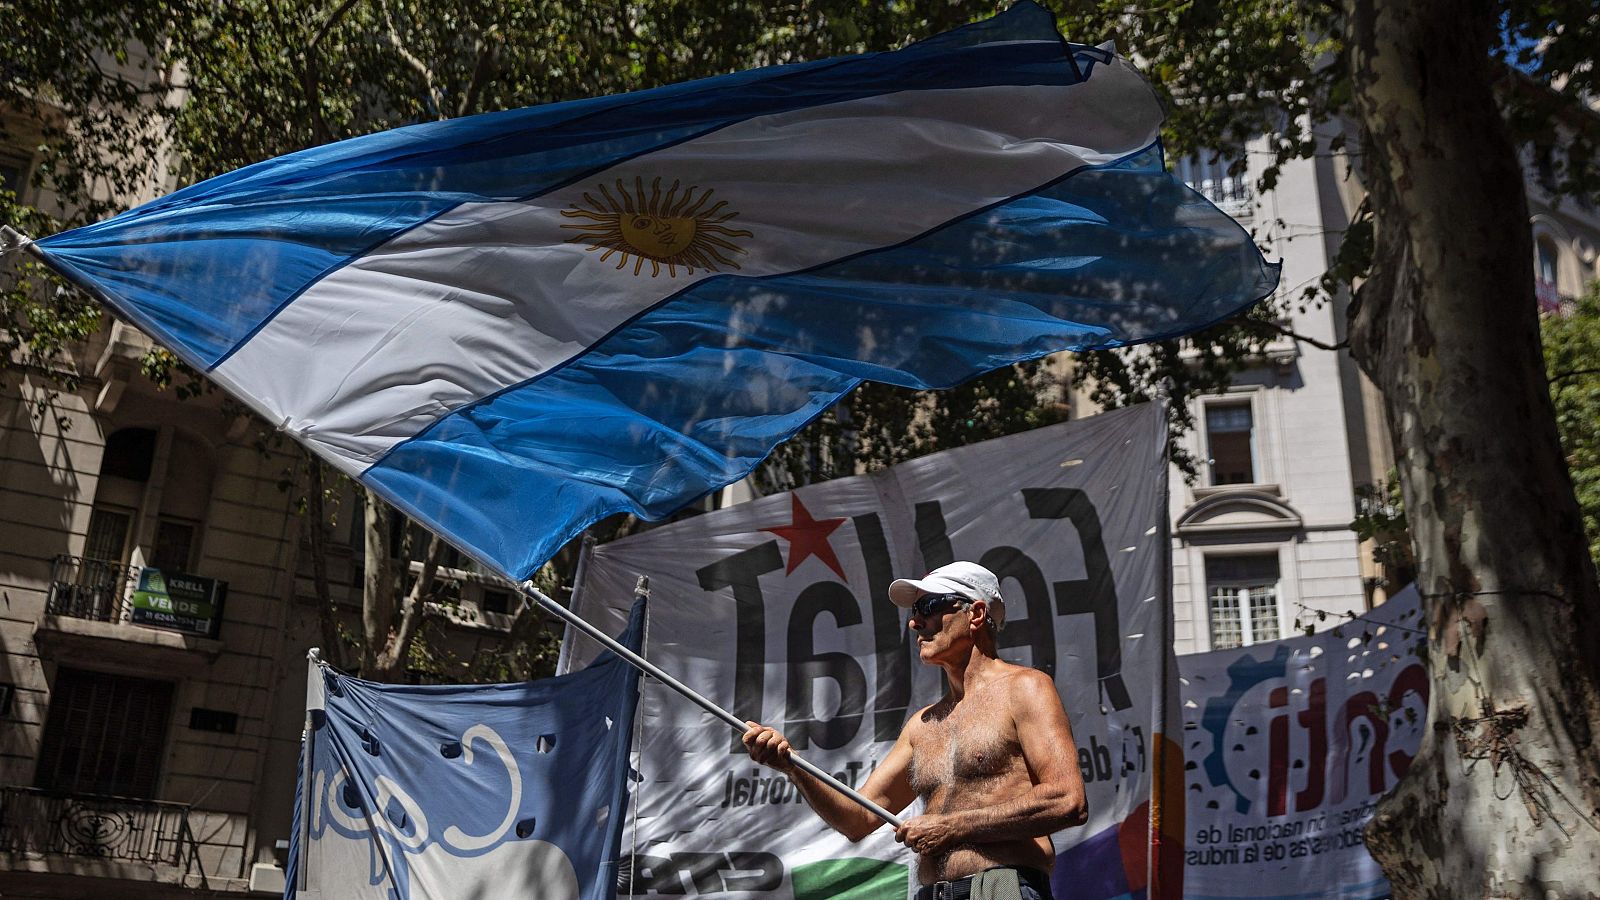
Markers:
{"x": 202, "y": 269}
{"x": 696, "y": 392}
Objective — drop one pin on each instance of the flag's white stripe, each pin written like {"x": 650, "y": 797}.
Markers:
{"x": 492, "y": 294}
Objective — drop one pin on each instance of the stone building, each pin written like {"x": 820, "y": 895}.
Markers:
{"x": 1261, "y": 538}
{"x": 156, "y": 608}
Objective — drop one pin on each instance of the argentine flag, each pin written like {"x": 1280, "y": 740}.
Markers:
{"x": 515, "y": 324}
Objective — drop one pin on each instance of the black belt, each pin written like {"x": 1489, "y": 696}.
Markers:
{"x": 961, "y": 888}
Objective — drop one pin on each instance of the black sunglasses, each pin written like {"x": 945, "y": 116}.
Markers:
{"x": 933, "y": 604}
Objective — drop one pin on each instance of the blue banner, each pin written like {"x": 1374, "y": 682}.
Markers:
{"x": 435, "y": 791}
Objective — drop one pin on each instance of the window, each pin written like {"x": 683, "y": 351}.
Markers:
{"x": 1220, "y": 177}
{"x": 12, "y": 171}
{"x": 1229, "y": 429}
{"x": 105, "y": 734}
{"x": 1243, "y": 600}
{"x": 1546, "y": 272}
{"x": 108, "y": 535}
{"x": 130, "y": 453}
{"x": 137, "y": 463}
{"x": 174, "y": 549}
{"x": 495, "y": 601}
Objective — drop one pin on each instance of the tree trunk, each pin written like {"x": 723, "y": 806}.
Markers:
{"x": 332, "y": 646}
{"x": 378, "y": 585}
{"x": 1503, "y": 799}
{"x": 395, "y": 647}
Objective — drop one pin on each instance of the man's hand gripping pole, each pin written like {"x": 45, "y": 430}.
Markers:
{"x": 651, "y": 669}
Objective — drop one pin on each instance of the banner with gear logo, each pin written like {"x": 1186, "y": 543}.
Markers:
{"x": 1290, "y": 744}
{"x": 778, "y": 610}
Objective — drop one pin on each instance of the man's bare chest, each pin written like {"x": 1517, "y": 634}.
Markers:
{"x": 963, "y": 746}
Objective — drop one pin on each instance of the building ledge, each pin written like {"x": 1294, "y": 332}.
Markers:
{"x": 1279, "y": 353}
{"x": 1211, "y": 490}
{"x": 48, "y": 874}
{"x": 1236, "y": 510}
{"x": 121, "y": 644}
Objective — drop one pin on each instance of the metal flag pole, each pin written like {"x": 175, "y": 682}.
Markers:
{"x": 12, "y": 239}
{"x": 573, "y": 619}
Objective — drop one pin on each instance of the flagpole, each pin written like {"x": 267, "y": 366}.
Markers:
{"x": 12, "y": 239}
{"x": 568, "y": 639}
{"x": 1156, "y": 846}
{"x": 654, "y": 671}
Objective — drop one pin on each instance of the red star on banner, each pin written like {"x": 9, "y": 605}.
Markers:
{"x": 809, "y": 537}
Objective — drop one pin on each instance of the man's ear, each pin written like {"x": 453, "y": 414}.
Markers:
{"x": 980, "y": 614}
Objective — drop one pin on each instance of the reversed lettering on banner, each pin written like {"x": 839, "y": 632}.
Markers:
{"x": 778, "y": 609}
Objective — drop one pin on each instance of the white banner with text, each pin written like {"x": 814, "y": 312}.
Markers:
{"x": 1289, "y": 745}
{"x": 778, "y": 610}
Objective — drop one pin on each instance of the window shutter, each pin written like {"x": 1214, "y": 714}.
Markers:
{"x": 105, "y": 734}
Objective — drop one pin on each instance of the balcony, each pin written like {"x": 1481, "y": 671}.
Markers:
{"x": 1550, "y": 299}
{"x": 1221, "y": 178}
{"x": 109, "y": 828}
{"x": 46, "y": 834}
{"x": 92, "y": 589}
{"x": 90, "y": 613}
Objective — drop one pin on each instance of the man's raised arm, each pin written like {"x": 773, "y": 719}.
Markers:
{"x": 889, "y": 785}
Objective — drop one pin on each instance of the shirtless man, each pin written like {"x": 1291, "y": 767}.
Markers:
{"x": 993, "y": 760}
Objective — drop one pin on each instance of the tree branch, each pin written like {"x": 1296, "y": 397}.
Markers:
{"x": 327, "y": 24}
{"x": 1290, "y": 333}
{"x": 414, "y": 611}
{"x": 417, "y": 65}
{"x": 487, "y": 51}
{"x": 1575, "y": 373}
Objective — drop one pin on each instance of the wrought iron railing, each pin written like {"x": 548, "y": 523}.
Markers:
{"x": 89, "y": 588}
{"x": 1551, "y": 300}
{"x": 109, "y": 828}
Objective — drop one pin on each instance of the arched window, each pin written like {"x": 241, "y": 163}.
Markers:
{"x": 124, "y": 473}
{"x": 1546, "y": 273}
{"x": 1549, "y": 258}
{"x": 165, "y": 471}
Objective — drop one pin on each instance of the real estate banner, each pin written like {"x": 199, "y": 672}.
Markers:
{"x": 778, "y": 610}
{"x": 1290, "y": 745}
{"x": 178, "y": 601}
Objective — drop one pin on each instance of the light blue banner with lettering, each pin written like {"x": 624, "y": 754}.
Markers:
{"x": 465, "y": 791}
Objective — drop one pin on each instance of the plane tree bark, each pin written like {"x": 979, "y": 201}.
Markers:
{"x": 1503, "y": 798}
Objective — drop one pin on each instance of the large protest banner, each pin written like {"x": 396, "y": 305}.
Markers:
{"x": 778, "y": 609}
{"x": 1290, "y": 745}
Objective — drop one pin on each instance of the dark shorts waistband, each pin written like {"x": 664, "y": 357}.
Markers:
{"x": 961, "y": 888}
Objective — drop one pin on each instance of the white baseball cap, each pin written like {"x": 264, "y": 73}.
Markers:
{"x": 966, "y": 579}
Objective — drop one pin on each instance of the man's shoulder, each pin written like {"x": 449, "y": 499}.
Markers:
{"x": 1031, "y": 685}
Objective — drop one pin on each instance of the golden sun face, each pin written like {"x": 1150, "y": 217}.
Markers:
{"x": 672, "y": 230}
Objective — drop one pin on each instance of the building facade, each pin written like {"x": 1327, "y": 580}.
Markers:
{"x": 1262, "y": 542}
{"x": 156, "y": 608}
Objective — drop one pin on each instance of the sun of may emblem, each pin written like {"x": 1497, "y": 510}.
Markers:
{"x": 673, "y": 230}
